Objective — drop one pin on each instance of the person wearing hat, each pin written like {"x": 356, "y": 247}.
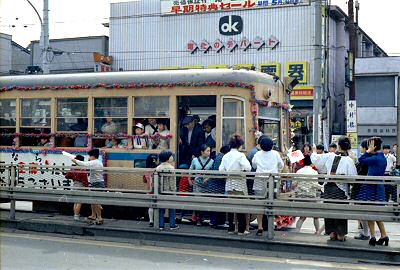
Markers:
{"x": 96, "y": 180}
{"x": 265, "y": 161}
{"x": 140, "y": 141}
{"x": 192, "y": 138}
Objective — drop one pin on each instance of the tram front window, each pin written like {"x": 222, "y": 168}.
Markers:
{"x": 233, "y": 120}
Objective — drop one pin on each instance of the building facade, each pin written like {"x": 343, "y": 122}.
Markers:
{"x": 14, "y": 59}
{"x": 71, "y": 55}
{"x": 377, "y": 90}
{"x": 270, "y": 36}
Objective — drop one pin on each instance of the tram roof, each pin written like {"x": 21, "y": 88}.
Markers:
{"x": 125, "y": 77}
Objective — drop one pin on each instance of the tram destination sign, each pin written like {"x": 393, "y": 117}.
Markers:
{"x": 175, "y": 7}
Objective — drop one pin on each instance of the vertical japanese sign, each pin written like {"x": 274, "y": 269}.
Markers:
{"x": 351, "y": 113}
{"x": 298, "y": 70}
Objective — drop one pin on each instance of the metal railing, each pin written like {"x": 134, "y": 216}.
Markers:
{"x": 272, "y": 194}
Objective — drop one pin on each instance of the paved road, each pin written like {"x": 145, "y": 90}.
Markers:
{"x": 36, "y": 251}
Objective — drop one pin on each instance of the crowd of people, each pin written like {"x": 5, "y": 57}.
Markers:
{"x": 148, "y": 134}
{"x": 376, "y": 160}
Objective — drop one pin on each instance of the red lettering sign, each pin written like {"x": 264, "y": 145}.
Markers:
{"x": 249, "y": 4}
{"x": 176, "y": 9}
{"x": 188, "y": 8}
{"x": 225, "y": 6}
{"x": 213, "y": 7}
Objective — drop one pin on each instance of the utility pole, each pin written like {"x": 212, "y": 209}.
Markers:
{"x": 353, "y": 47}
{"x": 398, "y": 123}
{"x": 45, "y": 33}
{"x": 317, "y": 71}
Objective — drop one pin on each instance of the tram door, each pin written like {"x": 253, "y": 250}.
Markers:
{"x": 204, "y": 110}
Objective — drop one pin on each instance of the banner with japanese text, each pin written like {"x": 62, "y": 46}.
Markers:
{"x": 36, "y": 176}
{"x": 203, "y": 6}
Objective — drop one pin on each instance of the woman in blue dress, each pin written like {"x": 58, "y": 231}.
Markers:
{"x": 376, "y": 162}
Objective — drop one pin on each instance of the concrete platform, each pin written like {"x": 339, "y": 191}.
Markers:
{"x": 286, "y": 243}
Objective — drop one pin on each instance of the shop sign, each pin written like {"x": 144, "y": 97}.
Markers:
{"x": 258, "y": 43}
{"x": 174, "y": 7}
{"x": 244, "y": 44}
{"x": 353, "y": 136}
{"x": 204, "y": 46}
{"x": 230, "y": 25}
{"x": 191, "y": 46}
{"x": 271, "y": 68}
{"x": 272, "y": 42}
{"x": 218, "y": 45}
{"x": 302, "y": 93}
{"x": 351, "y": 113}
{"x": 298, "y": 70}
{"x": 231, "y": 44}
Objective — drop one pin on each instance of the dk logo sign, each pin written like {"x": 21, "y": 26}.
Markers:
{"x": 230, "y": 25}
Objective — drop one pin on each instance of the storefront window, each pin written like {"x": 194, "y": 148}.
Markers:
{"x": 35, "y": 121}
{"x": 233, "y": 121}
{"x": 72, "y": 118}
{"x": 152, "y": 113}
{"x": 110, "y": 118}
{"x": 7, "y": 121}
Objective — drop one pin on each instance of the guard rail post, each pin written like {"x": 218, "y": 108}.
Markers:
{"x": 12, "y": 184}
{"x": 156, "y": 210}
{"x": 269, "y": 209}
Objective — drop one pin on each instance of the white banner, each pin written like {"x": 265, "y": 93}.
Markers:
{"x": 204, "y": 6}
{"x": 34, "y": 176}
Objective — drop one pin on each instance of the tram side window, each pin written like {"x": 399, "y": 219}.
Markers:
{"x": 35, "y": 122}
{"x": 151, "y": 123}
{"x": 72, "y": 119}
{"x": 110, "y": 122}
{"x": 233, "y": 120}
{"x": 7, "y": 122}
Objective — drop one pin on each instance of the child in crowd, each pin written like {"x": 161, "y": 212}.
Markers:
{"x": 307, "y": 189}
{"x": 140, "y": 141}
{"x": 166, "y": 163}
{"x": 80, "y": 179}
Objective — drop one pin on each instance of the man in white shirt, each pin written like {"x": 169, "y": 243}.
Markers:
{"x": 391, "y": 159}
{"x": 96, "y": 180}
